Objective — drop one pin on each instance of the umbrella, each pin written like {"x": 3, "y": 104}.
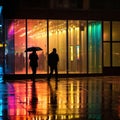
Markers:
{"x": 33, "y": 49}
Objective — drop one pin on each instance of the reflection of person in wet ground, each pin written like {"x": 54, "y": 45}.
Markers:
{"x": 34, "y": 99}
{"x": 53, "y": 59}
{"x": 53, "y": 99}
{"x": 33, "y": 61}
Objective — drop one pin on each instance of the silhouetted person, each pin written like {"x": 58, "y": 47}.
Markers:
{"x": 53, "y": 59}
{"x": 33, "y": 61}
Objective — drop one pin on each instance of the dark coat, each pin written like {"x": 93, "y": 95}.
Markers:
{"x": 33, "y": 60}
{"x": 53, "y": 59}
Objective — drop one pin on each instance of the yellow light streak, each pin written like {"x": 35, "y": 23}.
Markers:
{"x": 1, "y": 45}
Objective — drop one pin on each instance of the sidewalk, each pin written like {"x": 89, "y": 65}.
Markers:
{"x": 82, "y": 98}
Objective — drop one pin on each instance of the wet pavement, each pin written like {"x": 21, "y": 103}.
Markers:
{"x": 84, "y": 98}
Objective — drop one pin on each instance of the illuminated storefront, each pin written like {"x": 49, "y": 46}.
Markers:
{"x": 82, "y": 45}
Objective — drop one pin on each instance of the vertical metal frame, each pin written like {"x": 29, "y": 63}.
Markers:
{"x": 26, "y": 45}
{"x": 102, "y": 49}
{"x": 67, "y": 47}
{"x": 47, "y": 44}
{"x": 110, "y": 43}
{"x": 87, "y": 46}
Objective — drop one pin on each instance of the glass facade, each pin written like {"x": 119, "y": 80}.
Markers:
{"x": 116, "y": 54}
{"x": 16, "y": 44}
{"x": 111, "y": 43}
{"x": 94, "y": 47}
{"x": 106, "y": 45}
{"x": 106, "y": 48}
{"x": 115, "y": 43}
{"x": 82, "y": 45}
{"x": 77, "y": 46}
{"x": 57, "y": 39}
{"x": 37, "y": 36}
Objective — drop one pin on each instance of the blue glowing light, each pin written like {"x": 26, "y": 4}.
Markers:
{"x": 1, "y": 74}
{"x": 1, "y": 9}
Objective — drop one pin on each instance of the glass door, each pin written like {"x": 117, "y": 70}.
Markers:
{"x": 94, "y": 47}
{"x": 77, "y": 46}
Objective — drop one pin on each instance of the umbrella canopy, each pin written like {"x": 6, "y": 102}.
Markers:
{"x": 33, "y": 49}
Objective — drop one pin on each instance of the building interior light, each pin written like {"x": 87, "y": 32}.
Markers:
{"x": 1, "y": 9}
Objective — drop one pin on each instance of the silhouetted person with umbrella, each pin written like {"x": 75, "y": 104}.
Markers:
{"x": 53, "y": 60}
{"x": 33, "y": 61}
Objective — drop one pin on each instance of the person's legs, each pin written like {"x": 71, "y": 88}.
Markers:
{"x": 34, "y": 70}
{"x": 56, "y": 73}
{"x": 51, "y": 72}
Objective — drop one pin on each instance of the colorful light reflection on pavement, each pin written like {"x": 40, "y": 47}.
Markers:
{"x": 87, "y": 98}
{"x": 1, "y": 73}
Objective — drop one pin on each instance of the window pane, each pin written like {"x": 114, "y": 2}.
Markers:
{"x": 106, "y": 31}
{"x": 37, "y": 36}
{"x": 14, "y": 51}
{"x": 94, "y": 47}
{"x": 116, "y": 31}
{"x": 77, "y": 46}
{"x": 106, "y": 47}
{"x": 57, "y": 39}
{"x": 116, "y": 54}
